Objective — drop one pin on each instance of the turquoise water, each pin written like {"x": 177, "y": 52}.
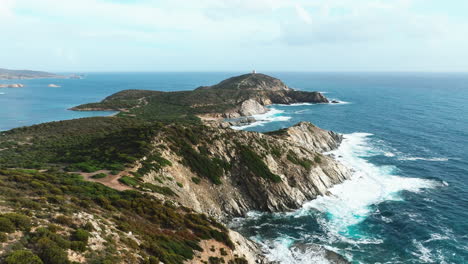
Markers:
{"x": 406, "y": 137}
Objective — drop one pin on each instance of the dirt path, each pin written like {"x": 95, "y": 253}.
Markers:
{"x": 110, "y": 180}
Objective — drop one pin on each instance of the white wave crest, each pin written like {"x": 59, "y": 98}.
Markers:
{"x": 273, "y": 115}
{"x": 424, "y": 159}
{"x": 339, "y": 102}
{"x": 281, "y": 251}
{"x": 296, "y": 104}
{"x": 350, "y": 203}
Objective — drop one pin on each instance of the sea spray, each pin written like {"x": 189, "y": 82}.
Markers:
{"x": 351, "y": 202}
{"x": 273, "y": 115}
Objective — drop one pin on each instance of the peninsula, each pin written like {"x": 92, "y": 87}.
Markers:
{"x": 243, "y": 95}
{"x": 6, "y": 74}
{"x": 157, "y": 182}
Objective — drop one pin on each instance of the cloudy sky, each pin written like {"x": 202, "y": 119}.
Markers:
{"x": 234, "y": 35}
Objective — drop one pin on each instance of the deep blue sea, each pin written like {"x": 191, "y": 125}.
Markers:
{"x": 406, "y": 138}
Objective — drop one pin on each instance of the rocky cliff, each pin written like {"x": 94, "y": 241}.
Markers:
{"x": 264, "y": 172}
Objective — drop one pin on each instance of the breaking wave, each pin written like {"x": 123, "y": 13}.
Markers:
{"x": 273, "y": 115}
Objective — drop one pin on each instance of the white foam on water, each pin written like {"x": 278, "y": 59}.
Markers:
{"x": 424, "y": 159}
{"x": 280, "y": 251}
{"x": 350, "y": 202}
{"x": 273, "y": 115}
{"x": 424, "y": 254}
{"x": 339, "y": 102}
{"x": 2, "y": 93}
{"x": 296, "y": 104}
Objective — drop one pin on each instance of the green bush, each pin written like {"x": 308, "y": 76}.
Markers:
{"x": 256, "y": 165}
{"x": 23, "y": 257}
{"x": 50, "y": 252}
{"x": 215, "y": 260}
{"x": 201, "y": 164}
{"x": 99, "y": 176}
{"x": 3, "y": 237}
{"x": 22, "y": 222}
{"x": 6, "y": 225}
{"x": 81, "y": 235}
{"x": 196, "y": 180}
{"x": 307, "y": 164}
{"x": 127, "y": 180}
{"x": 317, "y": 159}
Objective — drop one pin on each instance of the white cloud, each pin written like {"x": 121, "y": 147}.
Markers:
{"x": 180, "y": 28}
{"x": 303, "y": 14}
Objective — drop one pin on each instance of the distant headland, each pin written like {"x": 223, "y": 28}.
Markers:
{"x": 239, "y": 96}
{"x": 6, "y": 74}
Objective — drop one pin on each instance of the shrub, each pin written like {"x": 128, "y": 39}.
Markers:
{"x": 215, "y": 260}
{"x": 223, "y": 252}
{"x": 22, "y": 222}
{"x": 6, "y": 225}
{"x": 50, "y": 252}
{"x": 256, "y": 165}
{"x": 3, "y": 237}
{"x": 99, "y": 176}
{"x": 196, "y": 180}
{"x": 238, "y": 261}
{"x": 127, "y": 180}
{"x": 317, "y": 159}
{"x": 81, "y": 235}
{"x": 180, "y": 184}
{"x": 23, "y": 257}
{"x": 64, "y": 220}
{"x": 307, "y": 164}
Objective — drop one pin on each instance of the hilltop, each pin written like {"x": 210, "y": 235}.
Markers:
{"x": 25, "y": 74}
{"x": 238, "y": 96}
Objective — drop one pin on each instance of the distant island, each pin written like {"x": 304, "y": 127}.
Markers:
{"x": 6, "y": 74}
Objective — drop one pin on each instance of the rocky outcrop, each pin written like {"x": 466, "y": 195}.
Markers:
{"x": 311, "y": 137}
{"x": 295, "y": 155}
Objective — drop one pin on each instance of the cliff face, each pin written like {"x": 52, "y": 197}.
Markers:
{"x": 294, "y": 155}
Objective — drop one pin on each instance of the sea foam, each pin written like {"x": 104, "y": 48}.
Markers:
{"x": 350, "y": 203}
{"x": 273, "y": 115}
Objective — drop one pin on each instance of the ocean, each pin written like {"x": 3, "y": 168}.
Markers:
{"x": 406, "y": 138}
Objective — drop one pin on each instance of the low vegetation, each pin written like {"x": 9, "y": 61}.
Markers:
{"x": 167, "y": 233}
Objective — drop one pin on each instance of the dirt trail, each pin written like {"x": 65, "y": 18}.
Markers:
{"x": 110, "y": 180}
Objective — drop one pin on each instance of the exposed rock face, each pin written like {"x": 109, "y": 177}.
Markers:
{"x": 309, "y": 136}
{"x": 249, "y": 107}
{"x": 294, "y": 154}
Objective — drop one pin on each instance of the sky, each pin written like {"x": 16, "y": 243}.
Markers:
{"x": 234, "y": 35}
